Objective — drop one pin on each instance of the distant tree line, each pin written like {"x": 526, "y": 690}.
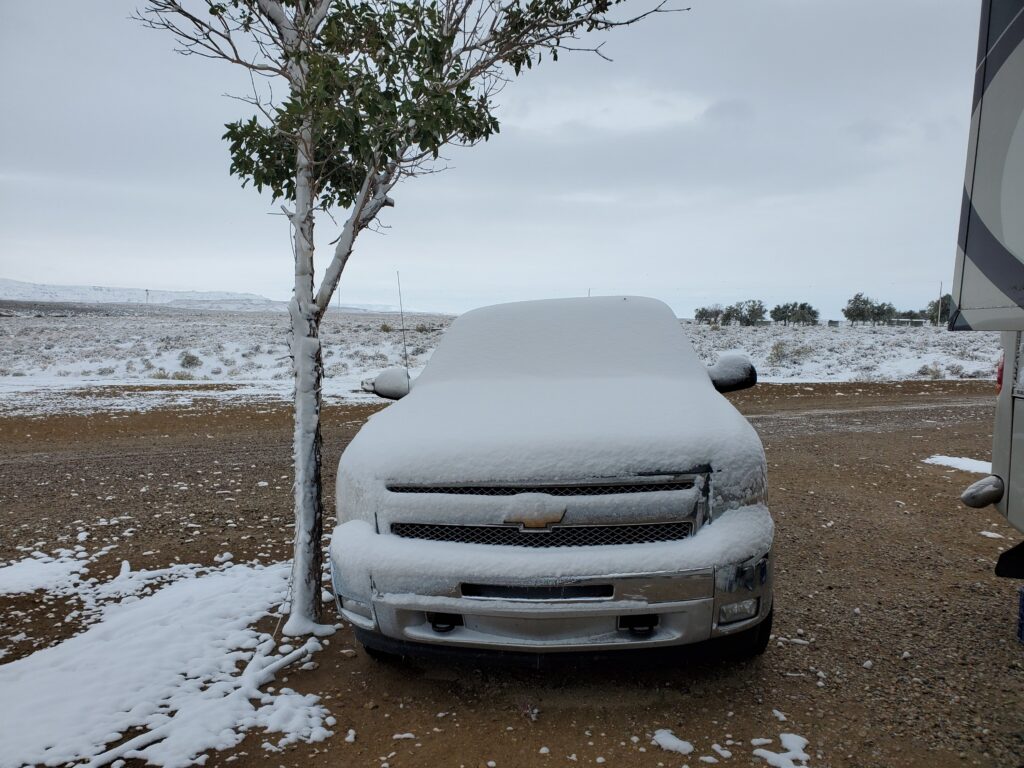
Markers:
{"x": 859, "y": 309}
{"x": 797, "y": 314}
{"x": 864, "y": 309}
{"x": 750, "y": 312}
{"x": 754, "y": 311}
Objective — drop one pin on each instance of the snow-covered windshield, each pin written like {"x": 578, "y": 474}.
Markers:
{"x": 614, "y": 336}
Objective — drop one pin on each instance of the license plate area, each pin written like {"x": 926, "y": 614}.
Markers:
{"x": 554, "y": 592}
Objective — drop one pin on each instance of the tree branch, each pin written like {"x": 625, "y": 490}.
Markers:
{"x": 343, "y": 248}
{"x": 214, "y": 38}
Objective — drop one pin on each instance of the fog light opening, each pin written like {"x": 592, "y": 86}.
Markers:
{"x": 733, "y": 612}
{"x": 444, "y": 622}
{"x": 357, "y": 607}
{"x": 642, "y": 624}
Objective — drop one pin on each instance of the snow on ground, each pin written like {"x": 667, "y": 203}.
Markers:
{"x": 854, "y": 353}
{"x": 794, "y": 755}
{"x": 41, "y": 571}
{"x": 959, "y": 462}
{"x": 168, "y": 657}
{"x": 791, "y": 756}
{"x": 81, "y": 358}
{"x": 62, "y": 357}
{"x": 668, "y": 741}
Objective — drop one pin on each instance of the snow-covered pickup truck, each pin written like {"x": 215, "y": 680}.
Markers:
{"x": 563, "y": 476}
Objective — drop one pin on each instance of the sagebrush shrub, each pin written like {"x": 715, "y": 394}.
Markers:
{"x": 188, "y": 360}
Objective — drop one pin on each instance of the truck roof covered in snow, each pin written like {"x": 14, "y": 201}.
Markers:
{"x": 607, "y": 336}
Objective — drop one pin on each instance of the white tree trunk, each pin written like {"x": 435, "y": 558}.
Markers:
{"x": 307, "y": 565}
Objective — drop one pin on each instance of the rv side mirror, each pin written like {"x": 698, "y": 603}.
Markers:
{"x": 732, "y": 372}
{"x": 391, "y": 384}
{"x": 986, "y": 491}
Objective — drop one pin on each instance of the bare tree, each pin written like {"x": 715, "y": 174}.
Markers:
{"x": 370, "y": 92}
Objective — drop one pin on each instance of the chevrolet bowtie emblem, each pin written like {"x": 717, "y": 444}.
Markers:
{"x": 535, "y": 510}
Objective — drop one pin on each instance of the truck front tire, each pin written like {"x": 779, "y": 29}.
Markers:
{"x": 752, "y": 642}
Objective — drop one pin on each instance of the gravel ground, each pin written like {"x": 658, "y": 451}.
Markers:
{"x": 877, "y": 562}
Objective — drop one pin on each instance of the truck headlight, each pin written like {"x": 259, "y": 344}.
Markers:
{"x": 744, "y": 609}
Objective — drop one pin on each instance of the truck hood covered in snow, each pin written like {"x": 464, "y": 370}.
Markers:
{"x": 564, "y": 390}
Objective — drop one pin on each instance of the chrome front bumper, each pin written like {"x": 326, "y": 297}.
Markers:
{"x": 673, "y": 608}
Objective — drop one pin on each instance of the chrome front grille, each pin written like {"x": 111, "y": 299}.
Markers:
{"x": 590, "y": 489}
{"x": 545, "y": 538}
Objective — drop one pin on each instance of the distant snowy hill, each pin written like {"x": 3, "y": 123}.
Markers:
{"x": 386, "y": 309}
{"x": 15, "y": 290}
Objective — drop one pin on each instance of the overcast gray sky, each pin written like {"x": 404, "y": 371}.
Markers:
{"x": 784, "y": 150}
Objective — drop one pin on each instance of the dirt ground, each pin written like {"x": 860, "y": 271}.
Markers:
{"x": 877, "y": 561}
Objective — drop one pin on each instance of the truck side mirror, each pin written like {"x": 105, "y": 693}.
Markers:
{"x": 732, "y": 372}
{"x": 391, "y": 384}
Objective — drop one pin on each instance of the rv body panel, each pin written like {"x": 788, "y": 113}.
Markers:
{"x": 988, "y": 288}
{"x": 988, "y": 285}
{"x": 1008, "y": 436}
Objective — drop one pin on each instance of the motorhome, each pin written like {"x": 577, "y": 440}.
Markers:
{"x": 988, "y": 290}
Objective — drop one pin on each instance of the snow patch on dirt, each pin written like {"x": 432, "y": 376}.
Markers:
{"x": 959, "y": 462}
{"x": 179, "y": 671}
{"x": 41, "y": 571}
{"x": 668, "y": 741}
{"x": 793, "y": 756}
